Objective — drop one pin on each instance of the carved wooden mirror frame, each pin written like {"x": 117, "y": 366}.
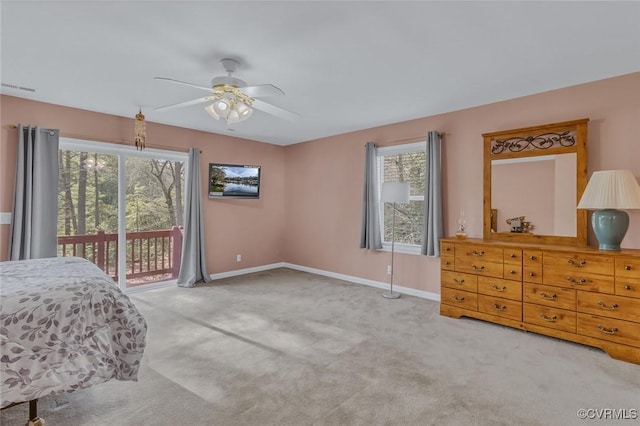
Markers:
{"x": 548, "y": 139}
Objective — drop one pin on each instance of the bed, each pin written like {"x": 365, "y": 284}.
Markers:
{"x": 64, "y": 326}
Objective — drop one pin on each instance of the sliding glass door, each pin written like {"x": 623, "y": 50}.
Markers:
{"x": 122, "y": 209}
{"x": 154, "y": 221}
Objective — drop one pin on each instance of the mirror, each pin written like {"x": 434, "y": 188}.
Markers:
{"x": 533, "y": 180}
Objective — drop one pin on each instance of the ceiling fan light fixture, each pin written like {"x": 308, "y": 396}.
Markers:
{"x": 244, "y": 111}
{"x": 223, "y": 107}
{"x": 233, "y": 117}
{"x": 212, "y": 112}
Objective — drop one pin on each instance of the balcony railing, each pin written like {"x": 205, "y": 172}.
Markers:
{"x": 149, "y": 253}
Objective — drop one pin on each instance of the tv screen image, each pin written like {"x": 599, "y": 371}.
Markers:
{"x": 234, "y": 181}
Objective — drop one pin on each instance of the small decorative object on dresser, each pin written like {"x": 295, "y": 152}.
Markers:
{"x": 461, "y": 233}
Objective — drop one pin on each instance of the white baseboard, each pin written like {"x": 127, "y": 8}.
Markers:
{"x": 371, "y": 283}
{"x": 245, "y": 271}
{"x": 350, "y": 278}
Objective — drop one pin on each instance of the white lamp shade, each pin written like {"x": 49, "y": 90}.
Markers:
{"x": 611, "y": 189}
{"x": 395, "y": 192}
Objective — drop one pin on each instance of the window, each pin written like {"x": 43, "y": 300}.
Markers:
{"x": 403, "y": 163}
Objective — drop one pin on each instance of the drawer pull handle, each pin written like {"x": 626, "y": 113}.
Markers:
{"x": 551, "y": 296}
{"x": 477, "y": 268}
{"x": 577, "y": 264}
{"x": 532, "y": 274}
{"x": 447, "y": 263}
{"x": 447, "y": 249}
{"x": 477, "y": 253}
{"x": 512, "y": 272}
{"x": 499, "y": 307}
{"x": 532, "y": 257}
{"x": 512, "y": 255}
{"x": 552, "y": 318}
{"x": 627, "y": 287}
{"x": 457, "y": 281}
{"x": 496, "y": 288}
{"x": 612, "y": 330}
{"x": 458, "y": 299}
{"x": 607, "y": 308}
{"x": 627, "y": 267}
{"x": 574, "y": 281}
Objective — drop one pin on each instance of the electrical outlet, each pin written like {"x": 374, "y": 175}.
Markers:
{"x": 388, "y": 269}
{"x": 238, "y": 258}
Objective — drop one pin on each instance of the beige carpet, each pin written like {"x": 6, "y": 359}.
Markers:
{"x": 289, "y": 348}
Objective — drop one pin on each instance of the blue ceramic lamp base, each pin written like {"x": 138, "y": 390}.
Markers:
{"x": 610, "y": 226}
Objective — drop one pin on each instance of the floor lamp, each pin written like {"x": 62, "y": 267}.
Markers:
{"x": 394, "y": 192}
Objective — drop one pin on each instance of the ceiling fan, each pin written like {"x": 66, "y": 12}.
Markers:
{"x": 231, "y": 99}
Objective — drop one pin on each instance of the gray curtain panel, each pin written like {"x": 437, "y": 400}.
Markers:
{"x": 193, "y": 265}
{"x": 34, "y": 224}
{"x": 370, "y": 237}
{"x": 433, "y": 230}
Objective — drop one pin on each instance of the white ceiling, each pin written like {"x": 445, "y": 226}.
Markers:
{"x": 344, "y": 66}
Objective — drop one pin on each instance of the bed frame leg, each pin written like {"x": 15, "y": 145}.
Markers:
{"x": 34, "y": 420}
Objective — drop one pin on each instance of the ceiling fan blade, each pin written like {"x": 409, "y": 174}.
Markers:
{"x": 184, "y": 83}
{"x": 184, "y": 104}
{"x": 274, "y": 110}
{"x": 261, "y": 90}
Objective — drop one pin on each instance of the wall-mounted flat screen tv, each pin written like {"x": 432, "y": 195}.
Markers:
{"x": 234, "y": 181}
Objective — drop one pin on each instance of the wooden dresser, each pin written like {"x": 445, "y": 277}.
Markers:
{"x": 579, "y": 294}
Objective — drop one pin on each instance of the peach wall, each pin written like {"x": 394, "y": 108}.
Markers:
{"x": 323, "y": 178}
{"x": 253, "y": 228}
{"x": 309, "y": 211}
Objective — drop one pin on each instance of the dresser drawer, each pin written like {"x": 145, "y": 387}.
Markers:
{"x": 532, "y": 274}
{"x": 614, "y": 330}
{"x": 578, "y": 279}
{"x": 628, "y": 267}
{"x": 459, "y": 298}
{"x": 629, "y": 287}
{"x": 532, "y": 257}
{"x": 578, "y": 263}
{"x": 557, "y": 297}
{"x": 512, "y": 272}
{"x": 447, "y": 263}
{"x": 500, "y": 307}
{"x": 460, "y": 281}
{"x": 447, "y": 248}
{"x": 484, "y": 253}
{"x": 532, "y": 266}
{"x": 607, "y": 305}
{"x": 500, "y": 288}
{"x": 513, "y": 256}
{"x": 479, "y": 267}
{"x": 558, "y": 319}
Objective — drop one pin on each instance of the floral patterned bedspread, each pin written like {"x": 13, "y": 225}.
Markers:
{"x": 64, "y": 325}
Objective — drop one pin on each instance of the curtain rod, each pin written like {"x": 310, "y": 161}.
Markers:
{"x": 408, "y": 140}
{"x": 116, "y": 141}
